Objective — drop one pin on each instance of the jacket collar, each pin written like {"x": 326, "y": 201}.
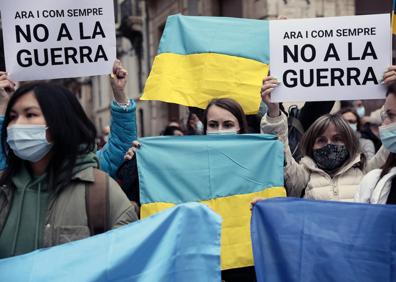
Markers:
{"x": 311, "y": 165}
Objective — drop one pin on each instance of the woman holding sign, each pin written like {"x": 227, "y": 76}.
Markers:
{"x": 332, "y": 165}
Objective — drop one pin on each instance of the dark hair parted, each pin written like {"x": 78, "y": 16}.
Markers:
{"x": 71, "y": 131}
{"x": 348, "y": 136}
{"x": 229, "y": 105}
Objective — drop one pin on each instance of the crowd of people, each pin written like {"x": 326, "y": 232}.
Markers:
{"x": 50, "y": 163}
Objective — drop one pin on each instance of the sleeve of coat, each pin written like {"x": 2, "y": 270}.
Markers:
{"x": 122, "y": 211}
{"x": 367, "y": 147}
{"x": 378, "y": 160}
{"x": 296, "y": 176}
{"x": 367, "y": 185}
{"x": 122, "y": 133}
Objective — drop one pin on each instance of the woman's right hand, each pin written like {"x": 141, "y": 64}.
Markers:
{"x": 131, "y": 151}
{"x": 7, "y": 87}
{"x": 269, "y": 83}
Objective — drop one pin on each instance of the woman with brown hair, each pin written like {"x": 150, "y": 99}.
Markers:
{"x": 332, "y": 165}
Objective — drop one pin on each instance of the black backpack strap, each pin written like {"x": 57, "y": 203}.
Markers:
{"x": 97, "y": 203}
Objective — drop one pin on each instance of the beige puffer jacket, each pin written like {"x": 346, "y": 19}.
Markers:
{"x": 307, "y": 176}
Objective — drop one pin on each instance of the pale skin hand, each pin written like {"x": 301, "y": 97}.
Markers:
{"x": 389, "y": 75}
{"x": 131, "y": 151}
{"x": 118, "y": 81}
{"x": 7, "y": 87}
{"x": 269, "y": 83}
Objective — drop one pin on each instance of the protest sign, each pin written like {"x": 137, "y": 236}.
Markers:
{"x": 338, "y": 58}
{"x": 47, "y": 39}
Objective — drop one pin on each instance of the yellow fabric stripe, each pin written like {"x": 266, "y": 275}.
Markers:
{"x": 193, "y": 80}
{"x": 393, "y": 24}
{"x": 236, "y": 248}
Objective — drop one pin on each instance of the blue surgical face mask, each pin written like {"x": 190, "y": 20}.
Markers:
{"x": 28, "y": 142}
{"x": 353, "y": 126}
{"x": 223, "y": 132}
{"x": 388, "y": 136}
{"x": 361, "y": 111}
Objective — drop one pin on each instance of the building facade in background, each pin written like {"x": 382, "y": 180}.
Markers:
{"x": 140, "y": 24}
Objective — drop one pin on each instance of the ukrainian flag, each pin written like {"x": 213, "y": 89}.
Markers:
{"x": 163, "y": 248}
{"x": 393, "y": 18}
{"x": 224, "y": 172}
{"x": 201, "y": 58}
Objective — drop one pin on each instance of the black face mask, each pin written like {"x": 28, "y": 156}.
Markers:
{"x": 331, "y": 156}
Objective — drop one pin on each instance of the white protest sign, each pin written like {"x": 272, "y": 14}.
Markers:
{"x": 338, "y": 58}
{"x": 47, "y": 39}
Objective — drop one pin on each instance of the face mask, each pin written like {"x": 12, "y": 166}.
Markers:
{"x": 388, "y": 136}
{"x": 361, "y": 111}
{"x": 331, "y": 156}
{"x": 223, "y": 132}
{"x": 200, "y": 128}
{"x": 353, "y": 126}
{"x": 28, "y": 142}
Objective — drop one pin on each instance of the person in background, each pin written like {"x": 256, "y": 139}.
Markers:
{"x": 352, "y": 118}
{"x": 172, "y": 130}
{"x": 49, "y": 144}
{"x": 194, "y": 125}
{"x": 104, "y": 138}
{"x": 123, "y": 120}
{"x": 359, "y": 108}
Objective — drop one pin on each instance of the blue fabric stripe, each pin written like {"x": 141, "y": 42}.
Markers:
{"x": 196, "y": 168}
{"x": 165, "y": 247}
{"x": 299, "y": 240}
{"x": 244, "y": 38}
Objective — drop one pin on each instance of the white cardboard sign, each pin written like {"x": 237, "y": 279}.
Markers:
{"x": 47, "y": 39}
{"x": 336, "y": 58}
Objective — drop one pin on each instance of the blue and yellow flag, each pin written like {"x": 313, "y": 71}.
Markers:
{"x": 165, "y": 248}
{"x": 393, "y": 18}
{"x": 224, "y": 172}
{"x": 297, "y": 240}
{"x": 201, "y": 58}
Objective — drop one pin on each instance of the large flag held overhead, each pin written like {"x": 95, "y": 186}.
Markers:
{"x": 165, "y": 248}
{"x": 298, "y": 240}
{"x": 201, "y": 58}
{"x": 225, "y": 172}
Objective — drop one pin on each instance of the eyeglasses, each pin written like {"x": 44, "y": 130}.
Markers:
{"x": 388, "y": 115}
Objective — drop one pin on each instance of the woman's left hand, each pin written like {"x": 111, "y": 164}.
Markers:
{"x": 118, "y": 80}
{"x": 390, "y": 75}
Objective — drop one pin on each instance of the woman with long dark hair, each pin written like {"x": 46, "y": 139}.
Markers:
{"x": 49, "y": 144}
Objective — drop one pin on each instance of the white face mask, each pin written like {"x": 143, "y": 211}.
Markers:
{"x": 200, "y": 128}
{"x": 28, "y": 142}
{"x": 353, "y": 126}
{"x": 223, "y": 132}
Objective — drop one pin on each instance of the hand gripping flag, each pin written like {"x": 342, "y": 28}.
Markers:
{"x": 201, "y": 58}
{"x": 180, "y": 244}
{"x": 299, "y": 240}
{"x": 224, "y": 172}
